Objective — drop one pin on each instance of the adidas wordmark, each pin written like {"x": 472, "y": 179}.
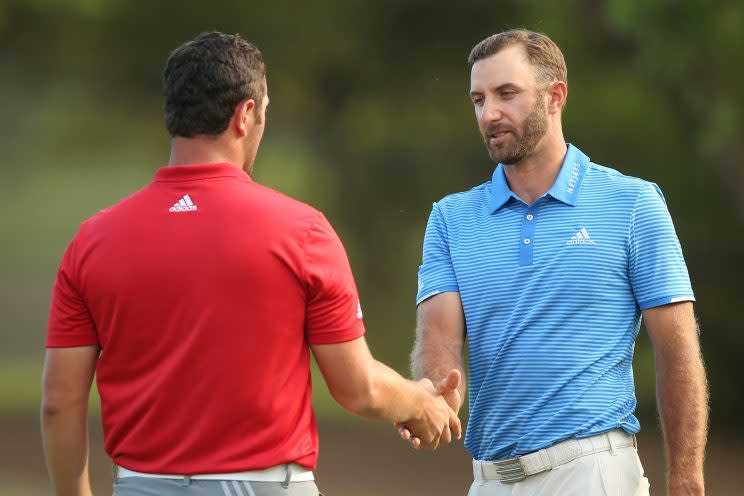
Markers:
{"x": 581, "y": 238}
{"x": 183, "y": 205}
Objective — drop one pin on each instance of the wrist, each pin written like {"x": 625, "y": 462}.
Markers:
{"x": 685, "y": 484}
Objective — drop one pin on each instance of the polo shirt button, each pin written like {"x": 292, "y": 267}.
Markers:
{"x": 527, "y": 241}
{"x": 530, "y": 216}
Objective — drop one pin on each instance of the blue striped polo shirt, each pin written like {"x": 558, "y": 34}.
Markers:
{"x": 552, "y": 294}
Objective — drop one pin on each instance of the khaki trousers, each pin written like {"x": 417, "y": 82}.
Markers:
{"x": 141, "y": 486}
{"x": 596, "y": 474}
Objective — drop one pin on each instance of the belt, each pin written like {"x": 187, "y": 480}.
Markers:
{"x": 279, "y": 473}
{"x": 519, "y": 468}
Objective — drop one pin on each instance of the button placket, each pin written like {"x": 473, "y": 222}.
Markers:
{"x": 527, "y": 233}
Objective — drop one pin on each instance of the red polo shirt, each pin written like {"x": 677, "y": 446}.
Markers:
{"x": 203, "y": 291}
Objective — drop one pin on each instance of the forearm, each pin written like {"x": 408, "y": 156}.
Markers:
{"x": 65, "y": 437}
{"x": 390, "y": 397}
{"x": 367, "y": 387}
{"x": 440, "y": 340}
{"x": 434, "y": 361}
{"x": 682, "y": 398}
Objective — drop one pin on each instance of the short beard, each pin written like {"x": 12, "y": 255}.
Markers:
{"x": 534, "y": 128}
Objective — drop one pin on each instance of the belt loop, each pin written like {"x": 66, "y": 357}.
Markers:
{"x": 545, "y": 459}
{"x": 114, "y": 472}
{"x": 635, "y": 442}
{"x": 550, "y": 454}
{"x": 186, "y": 481}
{"x": 482, "y": 471}
{"x": 612, "y": 445}
{"x": 288, "y": 478}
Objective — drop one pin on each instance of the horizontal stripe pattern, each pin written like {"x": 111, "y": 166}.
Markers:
{"x": 552, "y": 294}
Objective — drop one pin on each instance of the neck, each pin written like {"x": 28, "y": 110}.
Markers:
{"x": 202, "y": 150}
{"x": 533, "y": 176}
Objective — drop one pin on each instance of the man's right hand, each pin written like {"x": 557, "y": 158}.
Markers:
{"x": 449, "y": 388}
{"x": 439, "y": 422}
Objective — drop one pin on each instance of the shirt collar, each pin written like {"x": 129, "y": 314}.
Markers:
{"x": 565, "y": 189}
{"x": 500, "y": 191}
{"x": 197, "y": 172}
{"x": 568, "y": 183}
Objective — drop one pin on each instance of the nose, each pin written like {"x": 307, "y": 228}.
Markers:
{"x": 490, "y": 112}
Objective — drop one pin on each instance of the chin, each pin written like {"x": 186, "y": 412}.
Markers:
{"x": 506, "y": 157}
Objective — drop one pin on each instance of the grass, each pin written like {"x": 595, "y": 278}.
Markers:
{"x": 11, "y": 485}
{"x": 20, "y": 384}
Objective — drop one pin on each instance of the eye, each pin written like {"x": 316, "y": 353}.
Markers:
{"x": 508, "y": 93}
{"x": 477, "y": 100}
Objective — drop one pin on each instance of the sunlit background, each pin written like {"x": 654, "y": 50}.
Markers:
{"x": 369, "y": 122}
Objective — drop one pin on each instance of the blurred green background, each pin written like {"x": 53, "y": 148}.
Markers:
{"x": 369, "y": 122}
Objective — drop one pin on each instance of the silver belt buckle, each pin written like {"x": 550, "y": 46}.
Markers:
{"x": 510, "y": 470}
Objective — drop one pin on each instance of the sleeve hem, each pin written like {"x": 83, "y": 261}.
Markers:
{"x": 665, "y": 300}
{"x": 336, "y": 337}
{"x": 433, "y": 292}
{"x": 71, "y": 342}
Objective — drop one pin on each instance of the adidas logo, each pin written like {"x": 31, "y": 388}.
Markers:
{"x": 183, "y": 205}
{"x": 580, "y": 238}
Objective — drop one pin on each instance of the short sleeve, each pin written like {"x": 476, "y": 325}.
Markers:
{"x": 70, "y": 323}
{"x": 658, "y": 272}
{"x": 436, "y": 273}
{"x": 333, "y": 312}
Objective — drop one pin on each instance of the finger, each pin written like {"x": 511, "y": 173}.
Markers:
{"x": 405, "y": 434}
{"x": 415, "y": 442}
{"x": 451, "y": 382}
{"x": 455, "y": 426}
{"x": 429, "y": 444}
{"x": 446, "y": 437}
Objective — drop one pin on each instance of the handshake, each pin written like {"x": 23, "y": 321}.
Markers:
{"x": 424, "y": 414}
{"x": 437, "y": 422}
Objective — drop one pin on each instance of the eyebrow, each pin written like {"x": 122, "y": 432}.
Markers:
{"x": 498, "y": 88}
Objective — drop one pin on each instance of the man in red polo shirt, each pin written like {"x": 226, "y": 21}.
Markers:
{"x": 196, "y": 300}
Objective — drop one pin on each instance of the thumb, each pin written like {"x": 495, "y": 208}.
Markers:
{"x": 450, "y": 383}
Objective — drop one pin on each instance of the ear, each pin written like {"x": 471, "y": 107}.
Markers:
{"x": 244, "y": 117}
{"x": 557, "y": 95}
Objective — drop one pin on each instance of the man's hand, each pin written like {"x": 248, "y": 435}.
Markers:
{"x": 449, "y": 388}
{"x": 447, "y": 393}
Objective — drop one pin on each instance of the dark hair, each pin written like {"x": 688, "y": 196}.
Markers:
{"x": 206, "y": 78}
{"x": 543, "y": 54}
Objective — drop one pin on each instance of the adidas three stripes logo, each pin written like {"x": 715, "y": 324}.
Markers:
{"x": 580, "y": 238}
{"x": 183, "y": 205}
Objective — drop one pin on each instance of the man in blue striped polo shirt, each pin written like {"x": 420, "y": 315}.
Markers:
{"x": 547, "y": 270}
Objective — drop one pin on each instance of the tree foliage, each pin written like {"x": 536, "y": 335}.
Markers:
{"x": 370, "y": 122}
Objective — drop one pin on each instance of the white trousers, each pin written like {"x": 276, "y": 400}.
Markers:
{"x": 596, "y": 474}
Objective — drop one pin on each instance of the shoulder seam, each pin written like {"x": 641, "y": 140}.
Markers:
{"x": 306, "y": 243}
{"x": 440, "y": 214}
{"x": 631, "y": 227}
